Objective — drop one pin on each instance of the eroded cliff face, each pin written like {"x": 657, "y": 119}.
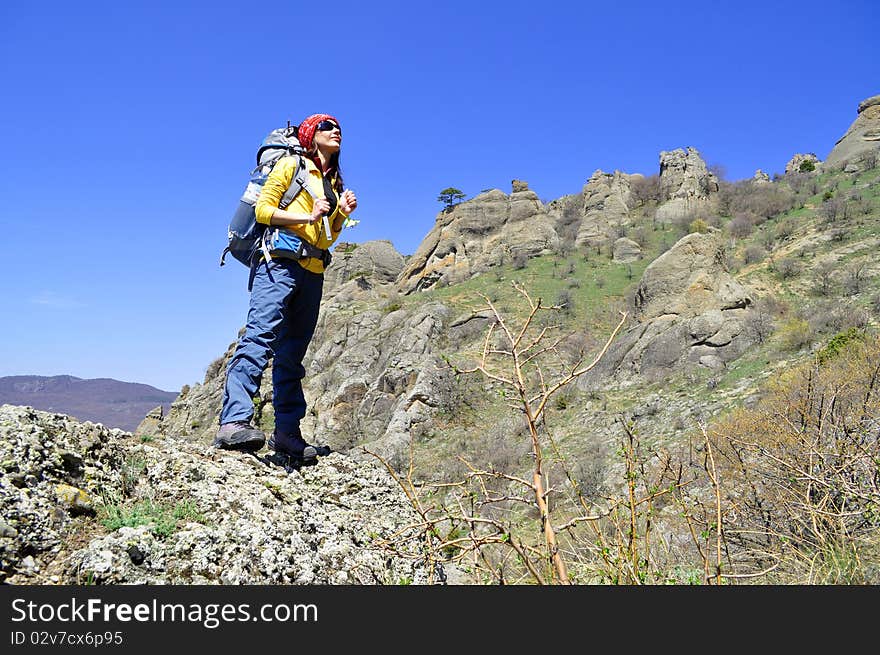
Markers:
{"x": 83, "y": 504}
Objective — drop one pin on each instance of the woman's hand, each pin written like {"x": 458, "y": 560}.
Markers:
{"x": 348, "y": 202}
{"x": 321, "y": 207}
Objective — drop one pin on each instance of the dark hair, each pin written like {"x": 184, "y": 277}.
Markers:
{"x": 339, "y": 186}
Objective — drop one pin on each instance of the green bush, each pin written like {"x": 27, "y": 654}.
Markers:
{"x": 699, "y": 225}
{"x": 807, "y": 166}
{"x": 838, "y": 343}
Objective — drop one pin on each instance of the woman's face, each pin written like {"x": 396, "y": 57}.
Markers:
{"x": 328, "y": 137}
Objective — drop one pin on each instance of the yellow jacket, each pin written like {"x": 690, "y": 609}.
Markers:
{"x": 273, "y": 190}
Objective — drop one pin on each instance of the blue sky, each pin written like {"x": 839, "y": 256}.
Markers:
{"x": 127, "y": 130}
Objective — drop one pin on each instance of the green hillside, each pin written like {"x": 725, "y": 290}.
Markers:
{"x": 627, "y": 465}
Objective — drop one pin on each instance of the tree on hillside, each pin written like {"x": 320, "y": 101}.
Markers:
{"x": 450, "y": 197}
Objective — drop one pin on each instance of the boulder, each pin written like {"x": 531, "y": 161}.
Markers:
{"x": 689, "y": 312}
{"x": 689, "y": 279}
{"x": 377, "y": 261}
{"x": 151, "y": 422}
{"x": 626, "y": 250}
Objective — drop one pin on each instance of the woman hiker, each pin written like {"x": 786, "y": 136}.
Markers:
{"x": 285, "y": 297}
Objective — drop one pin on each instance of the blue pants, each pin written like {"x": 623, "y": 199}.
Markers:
{"x": 285, "y": 299}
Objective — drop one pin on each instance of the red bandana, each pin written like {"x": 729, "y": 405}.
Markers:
{"x": 306, "y": 132}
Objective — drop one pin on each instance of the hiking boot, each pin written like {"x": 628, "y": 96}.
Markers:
{"x": 292, "y": 445}
{"x": 239, "y": 435}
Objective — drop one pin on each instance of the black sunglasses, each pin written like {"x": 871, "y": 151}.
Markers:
{"x": 327, "y": 126}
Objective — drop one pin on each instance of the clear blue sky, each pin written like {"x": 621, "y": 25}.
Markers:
{"x": 127, "y": 130}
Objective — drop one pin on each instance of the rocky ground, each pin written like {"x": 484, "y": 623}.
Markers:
{"x": 83, "y": 504}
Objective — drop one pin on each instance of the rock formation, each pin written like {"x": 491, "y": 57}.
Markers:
{"x": 479, "y": 233}
{"x": 760, "y": 177}
{"x": 689, "y": 312}
{"x": 797, "y": 163}
{"x": 606, "y": 202}
{"x": 685, "y": 183}
{"x": 208, "y": 516}
{"x": 862, "y": 140}
{"x": 377, "y": 261}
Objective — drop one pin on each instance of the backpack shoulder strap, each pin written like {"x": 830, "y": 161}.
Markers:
{"x": 297, "y": 183}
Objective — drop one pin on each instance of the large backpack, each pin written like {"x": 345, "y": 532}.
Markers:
{"x": 245, "y": 233}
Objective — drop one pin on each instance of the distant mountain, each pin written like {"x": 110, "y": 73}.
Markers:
{"x": 110, "y": 402}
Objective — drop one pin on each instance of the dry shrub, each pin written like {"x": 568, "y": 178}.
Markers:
{"x": 801, "y": 475}
{"x": 824, "y": 276}
{"x": 758, "y": 324}
{"x": 645, "y": 189}
{"x": 835, "y": 316}
{"x": 754, "y": 254}
{"x": 519, "y": 260}
{"x": 788, "y": 268}
{"x": 855, "y": 276}
{"x": 775, "y": 306}
{"x": 742, "y": 225}
{"x": 832, "y": 209}
{"x": 762, "y": 200}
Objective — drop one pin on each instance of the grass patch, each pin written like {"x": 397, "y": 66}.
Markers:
{"x": 748, "y": 367}
{"x": 160, "y": 517}
{"x": 591, "y": 285}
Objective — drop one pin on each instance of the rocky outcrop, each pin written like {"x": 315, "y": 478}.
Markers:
{"x": 688, "y": 280}
{"x": 606, "y": 203}
{"x": 689, "y": 312}
{"x": 377, "y": 261}
{"x": 83, "y": 504}
{"x": 861, "y": 142}
{"x": 685, "y": 183}
{"x": 802, "y": 163}
{"x": 477, "y": 234}
{"x": 377, "y": 377}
